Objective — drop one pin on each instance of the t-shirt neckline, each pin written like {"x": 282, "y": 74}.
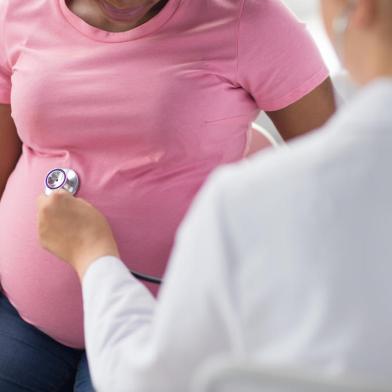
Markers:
{"x": 107, "y": 36}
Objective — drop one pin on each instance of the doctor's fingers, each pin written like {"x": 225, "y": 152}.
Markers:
{"x": 59, "y": 204}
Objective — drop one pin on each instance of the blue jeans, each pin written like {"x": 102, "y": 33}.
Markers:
{"x": 31, "y": 361}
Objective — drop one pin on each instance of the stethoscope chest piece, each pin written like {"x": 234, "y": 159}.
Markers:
{"x": 61, "y": 179}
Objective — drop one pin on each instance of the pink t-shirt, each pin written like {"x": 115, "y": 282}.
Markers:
{"x": 143, "y": 116}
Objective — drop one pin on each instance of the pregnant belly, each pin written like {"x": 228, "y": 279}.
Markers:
{"x": 144, "y": 216}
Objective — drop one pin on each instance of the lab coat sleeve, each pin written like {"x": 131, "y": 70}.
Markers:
{"x": 137, "y": 344}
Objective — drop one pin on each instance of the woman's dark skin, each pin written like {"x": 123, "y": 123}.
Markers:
{"x": 10, "y": 145}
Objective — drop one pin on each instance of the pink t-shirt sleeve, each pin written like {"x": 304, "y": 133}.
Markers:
{"x": 5, "y": 72}
{"x": 278, "y": 61}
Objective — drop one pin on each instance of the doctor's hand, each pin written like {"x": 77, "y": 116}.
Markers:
{"x": 74, "y": 230}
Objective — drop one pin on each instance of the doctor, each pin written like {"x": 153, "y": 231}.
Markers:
{"x": 286, "y": 258}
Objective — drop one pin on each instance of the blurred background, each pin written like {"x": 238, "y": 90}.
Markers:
{"x": 308, "y": 11}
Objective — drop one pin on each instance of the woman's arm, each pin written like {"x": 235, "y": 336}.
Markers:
{"x": 281, "y": 67}
{"x": 10, "y": 145}
{"x": 307, "y": 114}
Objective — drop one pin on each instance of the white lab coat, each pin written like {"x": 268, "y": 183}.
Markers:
{"x": 286, "y": 259}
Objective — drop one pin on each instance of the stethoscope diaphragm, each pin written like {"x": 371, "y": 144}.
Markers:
{"x": 61, "y": 178}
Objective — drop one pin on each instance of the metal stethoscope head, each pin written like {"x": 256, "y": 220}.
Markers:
{"x": 61, "y": 179}
{"x": 68, "y": 179}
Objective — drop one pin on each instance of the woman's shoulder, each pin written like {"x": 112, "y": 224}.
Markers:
{"x": 4, "y": 4}
{"x": 7, "y": 6}
{"x": 17, "y": 15}
{"x": 259, "y": 6}
{"x": 258, "y": 12}
{"x": 18, "y": 18}
{"x": 254, "y": 12}
{"x": 18, "y": 9}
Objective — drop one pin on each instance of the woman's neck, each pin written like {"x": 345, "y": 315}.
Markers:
{"x": 92, "y": 13}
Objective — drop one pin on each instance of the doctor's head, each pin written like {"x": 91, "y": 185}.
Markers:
{"x": 361, "y": 31}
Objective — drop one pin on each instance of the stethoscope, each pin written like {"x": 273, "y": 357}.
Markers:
{"x": 62, "y": 178}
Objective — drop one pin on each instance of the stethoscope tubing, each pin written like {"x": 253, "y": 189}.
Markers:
{"x": 146, "y": 278}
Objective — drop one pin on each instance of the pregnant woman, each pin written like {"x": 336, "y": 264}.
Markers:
{"x": 143, "y": 98}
